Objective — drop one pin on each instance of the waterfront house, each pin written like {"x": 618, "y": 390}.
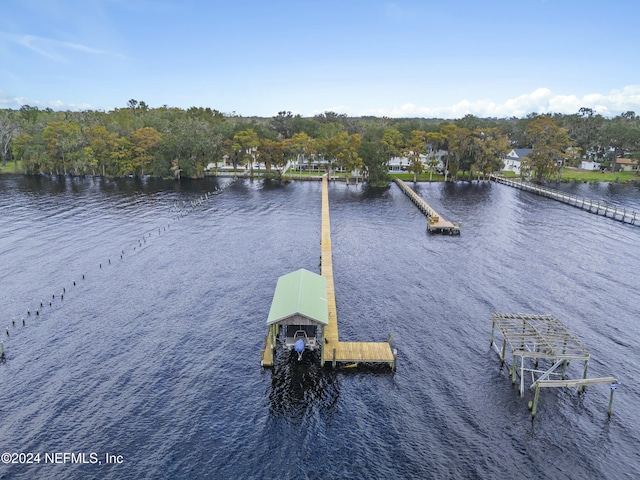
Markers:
{"x": 400, "y": 164}
{"x": 626, "y": 165}
{"x": 513, "y": 159}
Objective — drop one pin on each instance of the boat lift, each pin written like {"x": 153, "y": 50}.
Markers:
{"x": 542, "y": 347}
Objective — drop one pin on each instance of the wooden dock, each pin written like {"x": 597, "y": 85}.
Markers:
{"x": 435, "y": 223}
{"x": 333, "y": 350}
{"x": 269, "y": 348}
{"x": 598, "y": 207}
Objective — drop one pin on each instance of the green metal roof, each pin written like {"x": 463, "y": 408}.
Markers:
{"x": 300, "y": 293}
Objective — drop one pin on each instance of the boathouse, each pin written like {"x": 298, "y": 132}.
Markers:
{"x": 299, "y": 310}
{"x": 304, "y": 304}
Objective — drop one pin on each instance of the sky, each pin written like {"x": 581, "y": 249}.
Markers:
{"x": 404, "y": 58}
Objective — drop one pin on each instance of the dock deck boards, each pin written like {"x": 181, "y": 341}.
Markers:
{"x": 435, "y": 222}
{"x": 267, "y": 355}
{"x": 354, "y": 352}
{"x": 269, "y": 348}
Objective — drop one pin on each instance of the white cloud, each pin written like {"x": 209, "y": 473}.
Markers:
{"x": 50, "y": 48}
{"x": 7, "y": 101}
{"x": 541, "y": 100}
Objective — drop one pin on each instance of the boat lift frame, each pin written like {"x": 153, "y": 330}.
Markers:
{"x": 542, "y": 346}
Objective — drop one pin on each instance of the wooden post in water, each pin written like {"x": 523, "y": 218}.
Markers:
{"x": 535, "y": 401}
{"x": 613, "y": 388}
{"x": 584, "y": 375}
{"x": 564, "y": 363}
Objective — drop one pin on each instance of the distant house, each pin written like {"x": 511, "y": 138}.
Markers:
{"x": 400, "y": 164}
{"x": 626, "y": 165}
{"x": 513, "y": 159}
{"x": 590, "y": 166}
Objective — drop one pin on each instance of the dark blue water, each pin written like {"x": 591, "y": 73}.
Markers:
{"x": 155, "y": 356}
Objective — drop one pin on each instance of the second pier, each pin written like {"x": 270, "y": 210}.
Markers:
{"x": 435, "y": 223}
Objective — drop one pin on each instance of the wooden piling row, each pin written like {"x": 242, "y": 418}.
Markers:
{"x": 193, "y": 204}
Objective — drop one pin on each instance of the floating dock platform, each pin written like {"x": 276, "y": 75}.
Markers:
{"x": 542, "y": 347}
{"x": 435, "y": 223}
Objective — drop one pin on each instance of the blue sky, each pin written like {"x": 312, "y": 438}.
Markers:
{"x": 429, "y": 58}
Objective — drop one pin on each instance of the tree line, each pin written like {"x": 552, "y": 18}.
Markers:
{"x": 174, "y": 142}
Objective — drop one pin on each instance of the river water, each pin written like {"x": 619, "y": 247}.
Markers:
{"x": 150, "y": 349}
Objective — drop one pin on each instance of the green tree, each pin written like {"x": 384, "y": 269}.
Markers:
{"x": 98, "y": 139}
{"x": 549, "y": 143}
{"x": 283, "y": 124}
{"x": 460, "y": 149}
{"x": 304, "y": 147}
{"x": 490, "y": 145}
{"x": 8, "y": 130}
{"x": 272, "y": 153}
{"x": 144, "y": 143}
{"x": 414, "y": 149}
{"x": 31, "y": 151}
{"x": 436, "y": 142}
{"x": 621, "y": 134}
{"x": 349, "y": 156}
{"x": 62, "y": 139}
{"x": 391, "y": 143}
{"x": 585, "y": 131}
{"x": 375, "y": 162}
{"x": 332, "y": 146}
{"x": 246, "y": 142}
{"x": 231, "y": 153}
{"x": 121, "y": 156}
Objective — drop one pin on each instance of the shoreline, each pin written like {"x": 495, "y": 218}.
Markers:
{"x": 625, "y": 180}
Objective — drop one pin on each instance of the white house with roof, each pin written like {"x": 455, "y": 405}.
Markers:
{"x": 513, "y": 159}
{"x": 400, "y": 164}
{"x": 588, "y": 165}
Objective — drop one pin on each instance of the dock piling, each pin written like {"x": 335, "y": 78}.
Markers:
{"x": 542, "y": 337}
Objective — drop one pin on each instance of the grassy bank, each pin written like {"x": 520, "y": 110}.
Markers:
{"x": 10, "y": 167}
{"x": 571, "y": 175}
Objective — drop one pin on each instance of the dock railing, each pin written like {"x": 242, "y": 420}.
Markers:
{"x": 599, "y": 207}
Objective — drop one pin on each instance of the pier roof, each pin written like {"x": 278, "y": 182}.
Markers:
{"x": 300, "y": 293}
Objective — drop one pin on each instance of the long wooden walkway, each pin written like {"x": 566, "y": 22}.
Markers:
{"x": 435, "y": 223}
{"x": 333, "y": 350}
{"x": 598, "y": 207}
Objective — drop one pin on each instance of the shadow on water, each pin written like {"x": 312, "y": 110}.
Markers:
{"x": 375, "y": 192}
{"x": 479, "y": 191}
{"x": 298, "y": 387}
{"x": 128, "y": 186}
{"x": 272, "y": 184}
